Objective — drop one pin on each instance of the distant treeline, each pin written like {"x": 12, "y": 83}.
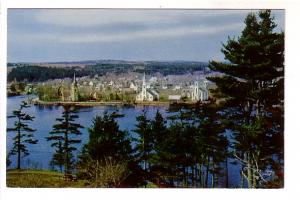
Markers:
{"x": 33, "y": 73}
{"x": 37, "y": 73}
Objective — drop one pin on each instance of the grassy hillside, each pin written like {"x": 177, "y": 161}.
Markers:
{"x": 38, "y": 178}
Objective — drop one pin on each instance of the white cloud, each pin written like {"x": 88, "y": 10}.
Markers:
{"x": 158, "y": 24}
{"x": 93, "y": 17}
{"x": 98, "y": 37}
{"x": 148, "y": 34}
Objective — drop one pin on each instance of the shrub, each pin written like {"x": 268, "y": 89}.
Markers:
{"x": 106, "y": 173}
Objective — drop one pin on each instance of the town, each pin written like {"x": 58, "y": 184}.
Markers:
{"x": 124, "y": 87}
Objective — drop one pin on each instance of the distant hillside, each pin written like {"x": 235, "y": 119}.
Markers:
{"x": 33, "y": 72}
{"x": 95, "y": 62}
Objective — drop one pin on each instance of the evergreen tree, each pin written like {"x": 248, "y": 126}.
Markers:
{"x": 252, "y": 90}
{"x": 58, "y": 157}
{"x": 180, "y": 145}
{"x": 24, "y": 134}
{"x": 107, "y": 140}
{"x": 211, "y": 143}
{"x": 8, "y": 161}
{"x": 144, "y": 142}
{"x": 108, "y": 143}
{"x": 160, "y": 133}
{"x": 63, "y": 134}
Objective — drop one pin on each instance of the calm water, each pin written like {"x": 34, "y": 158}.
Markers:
{"x": 41, "y": 153}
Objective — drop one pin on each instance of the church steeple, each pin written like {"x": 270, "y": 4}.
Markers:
{"x": 144, "y": 88}
{"x": 144, "y": 79}
{"x": 74, "y": 90}
{"x": 74, "y": 79}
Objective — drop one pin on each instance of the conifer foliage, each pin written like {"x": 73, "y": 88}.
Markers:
{"x": 252, "y": 89}
{"x": 64, "y": 138}
{"x": 24, "y": 134}
{"x": 108, "y": 153}
{"x": 106, "y": 139}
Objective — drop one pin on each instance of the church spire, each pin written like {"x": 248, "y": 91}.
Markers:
{"x": 74, "y": 79}
{"x": 144, "y": 79}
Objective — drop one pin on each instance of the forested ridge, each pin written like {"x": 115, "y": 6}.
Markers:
{"x": 35, "y": 73}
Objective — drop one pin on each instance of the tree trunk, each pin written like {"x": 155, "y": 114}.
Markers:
{"x": 249, "y": 171}
{"x": 193, "y": 176}
{"x": 227, "y": 175}
{"x": 213, "y": 174}
{"x": 19, "y": 150}
{"x": 66, "y": 154}
{"x": 207, "y": 171}
{"x": 200, "y": 176}
{"x": 196, "y": 175}
{"x": 183, "y": 177}
{"x": 242, "y": 178}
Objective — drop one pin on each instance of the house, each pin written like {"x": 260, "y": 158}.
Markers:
{"x": 177, "y": 87}
{"x": 174, "y": 98}
{"x": 132, "y": 86}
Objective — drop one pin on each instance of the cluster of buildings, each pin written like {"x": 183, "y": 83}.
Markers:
{"x": 147, "y": 94}
{"x": 198, "y": 91}
{"x": 195, "y": 92}
{"x": 158, "y": 88}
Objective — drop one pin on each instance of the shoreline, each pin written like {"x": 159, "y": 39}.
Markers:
{"x": 91, "y": 103}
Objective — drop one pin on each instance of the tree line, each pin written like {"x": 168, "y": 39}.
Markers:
{"x": 193, "y": 147}
{"x": 34, "y": 73}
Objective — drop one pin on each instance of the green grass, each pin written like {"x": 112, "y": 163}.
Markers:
{"x": 39, "y": 179}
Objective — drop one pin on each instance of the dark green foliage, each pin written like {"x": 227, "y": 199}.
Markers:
{"x": 195, "y": 147}
{"x": 212, "y": 142}
{"x": 17, "y": 87}
{"x": 252, "y": 89}
{"x": 24, "y": 134}
{"x": 36, "y": 73}
{"x": 33, "y": 73}
{"x": 58, "y": 158}
{"x": 63, "y": 135}
{"x": 108, "y": 143}
{"x": 8, "y": 161}
{"x": 107, "y": 140}
{"x": 160, "y": 133}
{"x": 144, "y": 140}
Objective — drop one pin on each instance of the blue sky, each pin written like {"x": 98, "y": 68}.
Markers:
{"x": 50, "y": 35}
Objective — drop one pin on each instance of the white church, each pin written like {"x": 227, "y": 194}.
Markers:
{"x": 199, "y": 92}
{"x": 147, "y": 94}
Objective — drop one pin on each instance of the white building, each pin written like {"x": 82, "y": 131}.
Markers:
{"x": 146, "y": 95}
{"x": 199, "y": 93}
{"x": 177, "y": 87}
{"x": 174, "y": 98}
{"x": 153, "y": 80}
{"x": 132, "y": 86}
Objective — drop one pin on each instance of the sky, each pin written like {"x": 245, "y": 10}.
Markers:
{"x": 53, "y": 35}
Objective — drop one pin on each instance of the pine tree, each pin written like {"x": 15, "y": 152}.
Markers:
{"x": 180, "y": 144}
{"x": 24, "y": 133}
{"x": 144, "y": 142}
{"x": 211, "y": 141}
{"x": 58, "y": 157}
{"x": 63, "y": 134}
{"x": 160, "y": 133}
{"x": 107, "y": 140}
{"x": 108, "y": 143}
{"x": 252, "y": 90}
